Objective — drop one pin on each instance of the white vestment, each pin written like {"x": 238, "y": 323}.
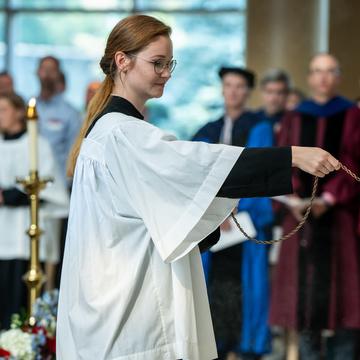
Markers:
{"x": 15, "y": 221}
{"x": 132, "y": 284}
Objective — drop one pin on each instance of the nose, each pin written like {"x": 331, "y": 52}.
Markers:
{"x": 166, "y": 72}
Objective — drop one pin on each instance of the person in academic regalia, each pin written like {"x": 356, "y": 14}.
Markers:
{"x": 132, "y": 284}
{"x": 274, "y": 87}
{"x": 233, "y": 127}
{"x": 317, "y": 280}
{"x": 294, "y": 98}
{"x": 6, "y": 83}
{"x": 240, "y": 320}
{"x": 14, "y": 206}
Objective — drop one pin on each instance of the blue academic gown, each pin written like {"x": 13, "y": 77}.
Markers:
{"x": 255, "y": 335}
{"x": 272, "y": 119}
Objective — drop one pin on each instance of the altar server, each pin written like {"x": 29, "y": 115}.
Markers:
{"x": 132, "y": 284}
{"x": 14, "y": 205}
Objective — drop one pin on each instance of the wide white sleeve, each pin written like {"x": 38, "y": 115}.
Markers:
{"x": 171, "y": 184}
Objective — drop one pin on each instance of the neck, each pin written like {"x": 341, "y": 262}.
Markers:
{"x": 16, "y": 128}
{"x": 234, "y": 113}
{"x": 271, "y": 112}
{"x": 47, "y": 94}
{"x": 322, "y": 98}
{"x": 136, "y": 100}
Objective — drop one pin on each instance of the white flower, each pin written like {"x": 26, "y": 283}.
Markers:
{"x": 18, "y": 343}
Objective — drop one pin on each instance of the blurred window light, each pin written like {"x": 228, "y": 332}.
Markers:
{"x": 206, "y": 34}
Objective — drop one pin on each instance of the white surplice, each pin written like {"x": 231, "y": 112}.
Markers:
{"x": 15, "y": 221}
{"x": 132, "y": 284}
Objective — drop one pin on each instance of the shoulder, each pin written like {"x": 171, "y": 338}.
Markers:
{"x": 247, "y": 120}
{"x": 43, "y": 141}
{"x": 263, "y": 125}
{"x": 211, "y": 126}
{"x": 105, "y": 124}
{"x": 62, "y": 102}
{"x": 248, "y": 116}
{"x": 20, "y": 142}
{"x": 141, "y": 131}
{"x": 352, "y": 121}
{"x": 290, "y": 115}
{"x": 252, "y": 114}
{"x": 120, "y": 127}
{"x": 354, "y": 111}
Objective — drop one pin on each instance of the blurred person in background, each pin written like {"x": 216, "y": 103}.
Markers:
{"x": 274, "y": 87}
{"x": 91, "y": 89}
{"x": 294, "y": 98}
{"x": 59, "y": 122}
{"x": 6, "y": 83}
{"x": 61, "y": 83}
{"x": 357, "y": 101}
{"x": 237, "y": 277}
{"x": 14, "y": 207}
{"x": 316, "y": 284}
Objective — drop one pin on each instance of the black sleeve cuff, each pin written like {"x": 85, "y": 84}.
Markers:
{"x": 15, "y": 197}
{"x": 259, "y": 172}
{"x": 210, "y": 240}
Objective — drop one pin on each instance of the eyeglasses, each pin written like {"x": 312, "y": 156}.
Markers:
{"x": 330, "y": 71}
{"x": 159, "y": 65}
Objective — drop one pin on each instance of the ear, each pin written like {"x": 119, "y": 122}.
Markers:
{"x": 122, "y": 61}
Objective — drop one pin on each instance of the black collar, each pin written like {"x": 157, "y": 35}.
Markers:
{"x": 14, "y": 136}
{"x": 120, "y": 105}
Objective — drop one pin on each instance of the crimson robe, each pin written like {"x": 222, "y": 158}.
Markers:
{"x": 317, "y": 280}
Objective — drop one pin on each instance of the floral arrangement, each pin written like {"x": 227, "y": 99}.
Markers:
{"x": 23, "y": 342}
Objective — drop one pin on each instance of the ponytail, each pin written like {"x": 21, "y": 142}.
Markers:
{"x": 95, "y": 107}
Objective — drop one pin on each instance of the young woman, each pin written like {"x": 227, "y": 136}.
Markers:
{"x": 14, "y": 207}
{"x": 132, "y": 283}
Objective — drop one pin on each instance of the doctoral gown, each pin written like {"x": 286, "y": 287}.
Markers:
{"x": 317, "y": 279}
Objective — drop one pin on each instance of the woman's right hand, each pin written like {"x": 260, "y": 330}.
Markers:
{"x": 314, "y": 161}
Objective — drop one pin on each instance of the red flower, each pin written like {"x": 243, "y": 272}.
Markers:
{"x": 4, "y": 353}
{"x": 38, "y": 329}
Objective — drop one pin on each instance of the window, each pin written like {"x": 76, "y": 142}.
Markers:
{"x": 206, "y": 35}
{"x": 77, "y": 39}
{"x": 2, "y": 40}
{"x": 202, "y": 43}
{"x": 72, "y": 4}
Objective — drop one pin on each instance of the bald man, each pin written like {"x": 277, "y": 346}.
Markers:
{"x": 317, "y": 280}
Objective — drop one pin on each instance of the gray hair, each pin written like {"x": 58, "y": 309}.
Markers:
{"x": 276, "y": 75}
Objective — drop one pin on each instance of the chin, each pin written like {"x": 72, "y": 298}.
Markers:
{"x": 326, "y": 92}
{"x": 158, "y": 94}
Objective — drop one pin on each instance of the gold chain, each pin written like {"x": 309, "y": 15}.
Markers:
{"x": 357, "y": 178}
{"x": 301, "y": 223}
